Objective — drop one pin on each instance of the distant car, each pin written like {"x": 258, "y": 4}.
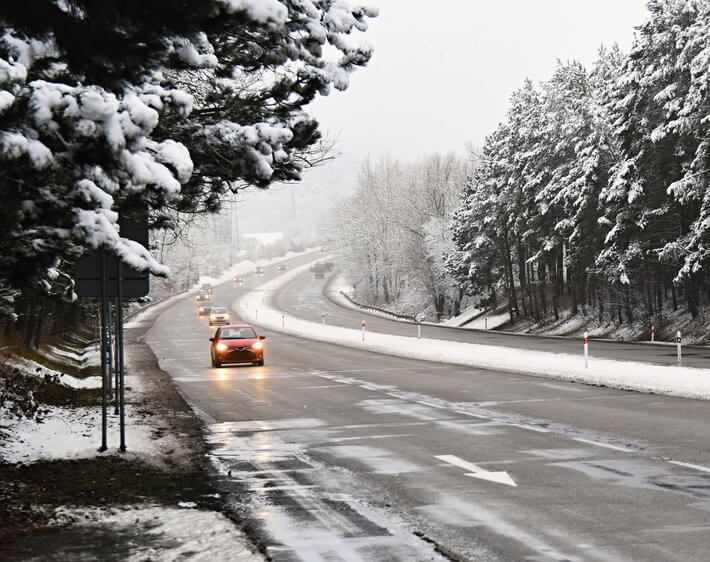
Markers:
{"x": 203, "y": 296}
{"x": 219, "y": 316}
{"x": 239, "y": 280}
{"x": 206, "y": 287}
{"x": 282, "y": 267}
{"x": 319, "y": 270}
{"x": 205, "y": 308}
{"x": 237, "y": 343}
{"x": 259, "y": 270}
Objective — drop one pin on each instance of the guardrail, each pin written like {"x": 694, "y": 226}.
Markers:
{"x": 378, "y": 309}
{"x": 133, "y": 313}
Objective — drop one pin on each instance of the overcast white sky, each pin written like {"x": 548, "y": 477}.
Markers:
{"x": 443, "y": 71}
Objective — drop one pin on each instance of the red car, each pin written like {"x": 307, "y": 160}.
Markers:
{"x": 237, "y": 343}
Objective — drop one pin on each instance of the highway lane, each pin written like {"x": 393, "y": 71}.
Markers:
{"x": 305, "y": 298}
{"x": 337, "y": 454}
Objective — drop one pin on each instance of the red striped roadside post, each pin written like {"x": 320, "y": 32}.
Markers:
{"x": 653, "y": 334}
{"x": 586, "y": 350}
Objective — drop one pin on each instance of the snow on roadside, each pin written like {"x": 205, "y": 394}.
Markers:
{"x": 32, "y": 368}
{"x": 466, "y": 316}
{"x": 166, "y": 533}
{"x": 642, "y": 377}
{"x": 487, "y": 321}
{"x": 66, "y": 433}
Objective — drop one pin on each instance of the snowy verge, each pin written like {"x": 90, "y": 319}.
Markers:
{"x": 66, "y": 433}
{"x": 256, "y": 306}
{"x": 32, "y": 368}
{"x": 465, "y": 317}
{"x": 166, "y": 533}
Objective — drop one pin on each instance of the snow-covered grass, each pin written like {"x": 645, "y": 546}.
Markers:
{"x": 32, "y": 368}
{"x": 487, "y": 321}
{"x": 256, "y": 307}
{"x": 466, "y": 316}
{"x": 166, "y": 533}
{"x": 68, "y": 433}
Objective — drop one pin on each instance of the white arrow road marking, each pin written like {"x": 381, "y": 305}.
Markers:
{"x": 500, "y": 477}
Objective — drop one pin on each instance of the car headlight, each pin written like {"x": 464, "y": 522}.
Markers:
{"x": 257, "y": 345}
{"x": 221, "y": 346}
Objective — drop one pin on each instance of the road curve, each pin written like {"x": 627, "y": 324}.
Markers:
{"x": 331, "y": 453}
{"x": 305, "y": 298}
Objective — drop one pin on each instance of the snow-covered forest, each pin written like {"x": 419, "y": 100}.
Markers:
{"x": 173, "y": 107}
{"x": 390, "y": 237}
{"x": 591, "y": 197}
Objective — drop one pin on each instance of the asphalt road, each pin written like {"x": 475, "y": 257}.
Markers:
{"x": 339, "y": 454}
{"x": 305, "y": 298}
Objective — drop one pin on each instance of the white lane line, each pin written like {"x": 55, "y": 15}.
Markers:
{"x": 361, "y": 437}
{"x": 605, "y": 445}
{"x": 472, "y": 415}
{"x": 324, "y": 386}
{"x": 282, "y": 488}
{"x": 430, "y": 405}
{"x": 690, "y": 465}
{"x": 530, "y": 427}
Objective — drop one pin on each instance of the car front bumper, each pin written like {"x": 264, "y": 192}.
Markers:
{"x": 240, "y": 355}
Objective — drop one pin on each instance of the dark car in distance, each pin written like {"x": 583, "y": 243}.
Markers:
{"x": 259, "y": 270}
{"x": 282, "y": 267}
{"x": 205, "y": 307}
{"x": 237, "y": 343}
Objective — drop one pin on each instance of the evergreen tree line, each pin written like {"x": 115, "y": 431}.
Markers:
{"x": 593, "y": 194}
{"x": 106, "y": 107}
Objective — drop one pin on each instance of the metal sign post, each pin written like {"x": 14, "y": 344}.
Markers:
{"x": 104, "y": 362}
{"x": 117, "y": 383}
{"x": 103, "y": 277}
{"x": 121, "y": 374}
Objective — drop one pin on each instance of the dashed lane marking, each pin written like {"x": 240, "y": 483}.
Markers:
{"x": 690, "y": 465}
{"x": 605, "y": 445}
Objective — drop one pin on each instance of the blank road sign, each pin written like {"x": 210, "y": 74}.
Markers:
{"x": 135, "y": 284}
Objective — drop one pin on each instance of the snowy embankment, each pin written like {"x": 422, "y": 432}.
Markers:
{"x": 73, "y": 432}
{"x": 256, "y": 306}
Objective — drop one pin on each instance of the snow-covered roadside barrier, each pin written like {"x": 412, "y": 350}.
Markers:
{"x": 256, "y": 306}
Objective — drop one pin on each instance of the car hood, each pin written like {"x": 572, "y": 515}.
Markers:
{"x": 240, "y": 343}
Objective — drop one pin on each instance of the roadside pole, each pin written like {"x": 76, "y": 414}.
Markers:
{"x": 109, "y": 354}
{"x": 419, "y": 331}
{"x": 323, "y": 318}
{"x": 363, "y": 330}
{"x": 122, "y": 378}
{"x": 485, "y": 323}
{"x": 283, "y": 321}
{"x": 117, "y": 383}
{"x": 653, "y": 334}
{"x": 678, "y": 343}
{"x": 104, "y": 360}
{"x": 586, "y": 350}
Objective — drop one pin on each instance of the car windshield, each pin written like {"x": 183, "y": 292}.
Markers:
{"x": 207, "y": 304}
{"x": 219, "y": 310}
{"x": 237, "y": 333}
